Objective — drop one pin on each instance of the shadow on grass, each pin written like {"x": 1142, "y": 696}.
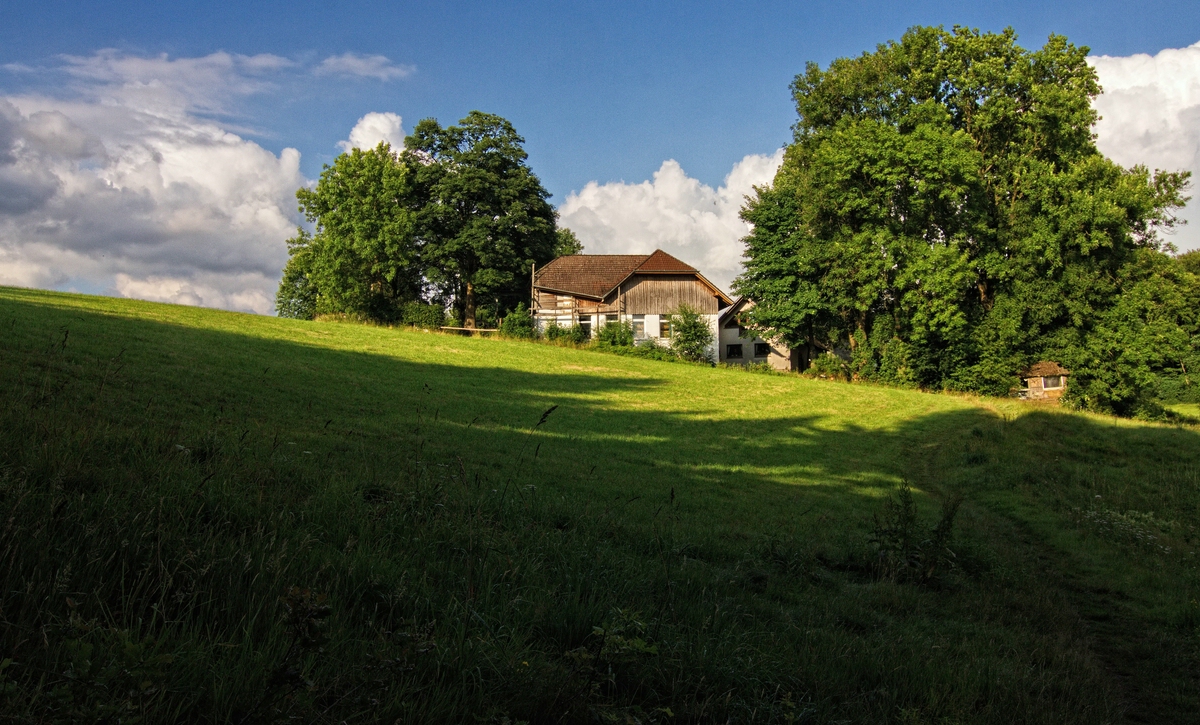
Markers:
{"x": 348, "y": 429}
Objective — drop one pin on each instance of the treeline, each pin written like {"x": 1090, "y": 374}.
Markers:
{"x": 455, "y": 220}
{"x": 943, "y": 219}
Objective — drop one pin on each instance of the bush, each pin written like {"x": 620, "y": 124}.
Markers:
{"x": 649, "y": 350}
{"x": 691, "y": 337}
{"x": 615, "y": 334}
{"x": 554, "y": 331}
{"x": 828, "y": 366}
{"x": 419, "y": 314}
{"x": 297, "y": 295}
{"x": 573, "y": 334}
{"x": 518, "y": 324}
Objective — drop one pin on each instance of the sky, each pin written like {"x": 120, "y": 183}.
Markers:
{"x": 152, "y": 150}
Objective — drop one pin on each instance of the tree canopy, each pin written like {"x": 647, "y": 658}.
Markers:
{"x": 457, "y": 217}
{"x": 482, "y": 216}
{"x": 362, "y": 259}
{"x": 944, "y": 217}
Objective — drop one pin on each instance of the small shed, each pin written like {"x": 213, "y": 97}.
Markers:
{"x": 1045, "y": 380}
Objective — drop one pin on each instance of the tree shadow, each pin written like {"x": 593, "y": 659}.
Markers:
{"x": 749, "y": 472}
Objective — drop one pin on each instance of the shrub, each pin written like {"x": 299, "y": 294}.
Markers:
{"x": 518, "y": 324}
{"x": 574, "y": 334}
{"x": 297, "y": 295}
{"x": 420, "y": 314}
{"x": 691, "y": 337}
{"x": 828, "y": 366}
{"x": 615, "y": 334}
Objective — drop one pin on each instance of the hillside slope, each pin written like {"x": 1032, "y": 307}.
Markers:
{"x": 231, "y": 518}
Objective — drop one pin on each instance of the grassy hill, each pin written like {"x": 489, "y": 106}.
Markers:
{"x": 217, "y": 517}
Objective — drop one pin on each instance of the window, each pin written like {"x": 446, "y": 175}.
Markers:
{"x": 733, "y": 352}
{"x": 585, "y": 324}
{"x": 610, "y": 318}
{"x": 761, "y": 349}
{"x": 1052, "y": 381}
{"x": 664, "y": 328}
{"x": 639, "y": 326}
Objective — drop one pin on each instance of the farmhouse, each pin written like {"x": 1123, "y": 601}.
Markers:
{"x": 1045, "y": 380}
{"x": 738, "y": 346}
{"x": 591, "y": 290}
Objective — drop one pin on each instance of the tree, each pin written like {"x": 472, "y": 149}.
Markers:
{"x": 362, "y": 259}
{"x": 691, "y": 337}
{"x": 482, "y": 217}
{"x": 944, "y": 216}
{"x": 567, "y": 243}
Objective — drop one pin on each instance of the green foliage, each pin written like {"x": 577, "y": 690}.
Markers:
{"x": 421, "y": 314}
{"x": 615, "y": 334}
{"x": 518, "y": 324}
{"x": 482, "y": 219}
{"x": 362, "y": 259}
{"x": 691, "y": 337}
{"x": 567, "y": 243}
{"x": 828, "y": 366}
{"x": 573, "y": 335}
{"x": 944, "y": 213}
{"x": 297, "y": 296}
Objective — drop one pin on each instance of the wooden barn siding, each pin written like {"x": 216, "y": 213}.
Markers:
{"x": 661, "y": 295}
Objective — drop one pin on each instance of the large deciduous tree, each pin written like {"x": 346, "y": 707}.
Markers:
{"x": 482, "y": 217}
{"x": 944, "y": 216}
{"x": 362, "y": 258}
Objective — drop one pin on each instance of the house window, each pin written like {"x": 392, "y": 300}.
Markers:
{"x": 585, "y": 324}
{"x": 733, "y": 352}
{"x": 1052, "y": 381}
{"x": 664, "y": 328}
{"x": 639, "y": 326}
{"x": 761, "y": 349}
{"x": 610, "y": 318}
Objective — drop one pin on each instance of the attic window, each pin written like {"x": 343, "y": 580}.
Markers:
{"x": 1052, "y": 381}
{"x": 733, "y": 352}
{"x": 762, "y": 349}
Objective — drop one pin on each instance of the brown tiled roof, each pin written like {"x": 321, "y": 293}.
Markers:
{"x": 1044, "y": 368}
{"x": 660, "y": 261}
{"x": 595, "y": 275}
{"x": 591, "y": 275}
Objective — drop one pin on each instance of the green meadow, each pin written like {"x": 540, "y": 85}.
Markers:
{"x": 215, "y": 517}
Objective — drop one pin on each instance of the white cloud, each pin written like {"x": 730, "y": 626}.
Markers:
{"x": 364, "y": 66}
{"x": 674, "y": 212}
{"x": 373, "y": 128}
{"x": 1150, "y": 112}
{"x": 122, "y": 187}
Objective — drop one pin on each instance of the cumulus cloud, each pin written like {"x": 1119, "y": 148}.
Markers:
{"x": 672, "y": 212}
{"x": 120, "y": 186}
{"x": 364, "y": 66}
{"x": 373, "y": 128}
{"x": 1150, "y": 112}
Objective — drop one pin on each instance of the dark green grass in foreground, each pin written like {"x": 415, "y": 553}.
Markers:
{"x": 217, "y": 517}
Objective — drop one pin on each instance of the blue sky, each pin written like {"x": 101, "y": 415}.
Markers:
{"x": 603, "y": 92}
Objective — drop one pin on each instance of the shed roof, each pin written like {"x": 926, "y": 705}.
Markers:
{"x": 1044, "y": 368}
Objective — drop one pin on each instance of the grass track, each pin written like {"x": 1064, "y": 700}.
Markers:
{"x": 730, "y": 511}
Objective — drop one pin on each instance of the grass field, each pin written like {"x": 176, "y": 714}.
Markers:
{"x": 216, "y": 517}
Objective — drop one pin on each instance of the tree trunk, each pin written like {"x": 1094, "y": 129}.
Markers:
{"x": 469, "y": 306}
